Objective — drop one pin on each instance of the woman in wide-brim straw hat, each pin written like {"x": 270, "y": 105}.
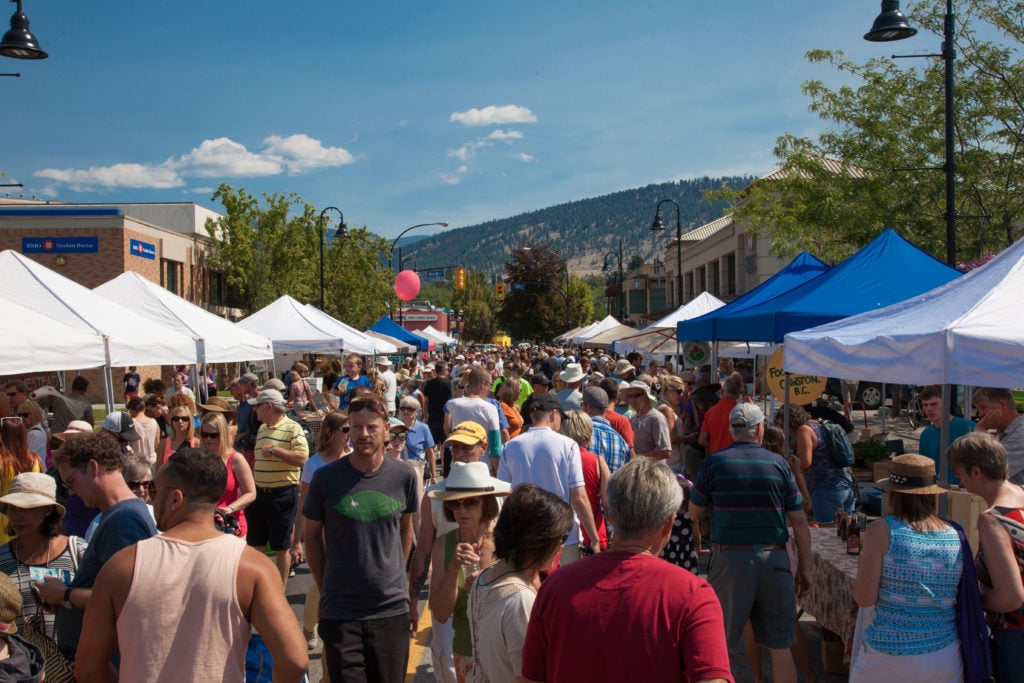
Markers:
{"x": 470, "y": 496}
{"x": 34, "y": 517}
{"x": 907, "y": 579}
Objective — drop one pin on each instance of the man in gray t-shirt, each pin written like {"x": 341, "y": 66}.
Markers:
{"x": 358, "y": 530}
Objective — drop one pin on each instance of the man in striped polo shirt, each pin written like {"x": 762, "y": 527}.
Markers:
{"x": 281, "y": 451}
{"x": 752, "y": 494}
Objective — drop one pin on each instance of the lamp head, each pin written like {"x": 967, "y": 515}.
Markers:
{"x": 19, "y": 42}
{"x": 657, "y": 225}
{"x": 342, "y": 231}
{"x": 890, "y": 24}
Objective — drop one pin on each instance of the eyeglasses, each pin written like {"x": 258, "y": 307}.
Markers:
{"x": 367, "y": 404}
{"x": 181, "y": 418}
{"x": 148, "y": 485}
{"x": 14, "y": 420}
{"x": 463, "y": 502}
{"x": 210, "y": 435}
{"x": 408, "y": 409}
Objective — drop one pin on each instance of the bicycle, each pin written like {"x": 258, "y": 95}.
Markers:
{"x": 915, "y": 413}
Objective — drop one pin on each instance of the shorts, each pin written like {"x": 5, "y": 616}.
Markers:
{"x": 755, "y": 585}
{"x": 825, "y": 502}
{"x": 271, "y": 517}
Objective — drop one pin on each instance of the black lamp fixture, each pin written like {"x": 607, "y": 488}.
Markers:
{"x": 19, "y": 43}
{"x": 658, "y": 226}
{"x": 340, "y": 233}
{"x": 890, "y": 24}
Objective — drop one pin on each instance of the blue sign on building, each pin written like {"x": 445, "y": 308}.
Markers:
{"x": 142, "y": 249}
{"x": 60, "y": 245}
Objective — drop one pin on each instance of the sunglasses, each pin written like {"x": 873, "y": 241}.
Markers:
{"x": 367, "y": 404}
{"x": 210, "y": 435}
{"x": 463, "y": 502}
{"x": 398, "y": 436}
{"x": 181, "y": 418}
{"x": 149, "y": 485}
{"x": 14, "y": 420}
{"x": 11, "y": 395}
{"x": 408, "y": 409}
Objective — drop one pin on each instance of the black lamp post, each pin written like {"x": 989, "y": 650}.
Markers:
{"x": 394, "y": 244}
{"x": 565, "y": 266}
{"x": 341, "y": 232}
{"x": 604, "y": 269}
{"x": 892, "y": 25}
{"x": 657, "y": 226}
{"x": 19, "y": 43}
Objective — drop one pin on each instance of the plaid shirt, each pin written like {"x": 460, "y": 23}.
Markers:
{"x": 608, "y": 443}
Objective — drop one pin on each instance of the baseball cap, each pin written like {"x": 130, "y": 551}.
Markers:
{"x": 250, "y": 378}
{"x": 746, "y": 416}
{"x": 543, "y": 402}
{"x": 595, "y": 398}
{"x": 540, "y": 379}
{"x": 272, "y": 396}
{"x": 469, "y": 433}
{"x": 121, "y": 424}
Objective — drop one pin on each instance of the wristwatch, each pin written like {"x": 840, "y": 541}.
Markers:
{"x": 67, "y": 599}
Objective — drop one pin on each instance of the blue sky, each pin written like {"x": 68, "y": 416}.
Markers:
{"x": 411, "y": 112}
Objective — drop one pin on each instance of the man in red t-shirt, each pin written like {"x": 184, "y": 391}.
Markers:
{"x": 625, "y": 614}
{"x": 714, "y": 432}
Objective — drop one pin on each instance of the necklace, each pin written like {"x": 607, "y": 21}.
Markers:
{"x": 19, "y": 554}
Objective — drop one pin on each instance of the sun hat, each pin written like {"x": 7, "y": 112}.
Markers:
{"x": 912, "y": 474}
{"x": 622, "y": 367}
{"x": 274, "y": 383}
{"x": 382, "y": 360}
{"x": 216, "y": 404}
{"x": 573, "y": 373}
{"x": 272, "y": 396}
{"x": 746, "y": 416}
{"x": 121, "y": 423}
{"x": 468, "y": 479}
{"x": 638, "y": 385}
{"x": 32, "y": 490}
{"x": 248, "y": 378}
{"x": 10, "y": 605}
{"x": 469, "y": 433}
{"x": 74, "y": 427}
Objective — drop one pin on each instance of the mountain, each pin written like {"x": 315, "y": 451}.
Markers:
{"x": 582, "y": 231}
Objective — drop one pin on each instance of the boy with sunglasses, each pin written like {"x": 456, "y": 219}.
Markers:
{"x": 362, "y": 506}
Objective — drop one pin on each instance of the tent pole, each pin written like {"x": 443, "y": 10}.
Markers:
{"x": 108, "y": 384}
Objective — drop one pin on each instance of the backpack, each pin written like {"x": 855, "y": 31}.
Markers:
{"x": 836, "y": 443}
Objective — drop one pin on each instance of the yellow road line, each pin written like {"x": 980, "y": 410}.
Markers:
{"x": 418, "y": 646}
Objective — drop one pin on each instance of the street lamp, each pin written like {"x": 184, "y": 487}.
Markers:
{"x": 604, "y": 269}
{"x": 340, "y": 233}
{"x": 400, "y": 235}
{"x": 657, "y": 226}
{"x": 19, "y": 43}
{"x": 892, "y": 25}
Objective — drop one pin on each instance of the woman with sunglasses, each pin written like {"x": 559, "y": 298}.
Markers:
{"x": 241, "y": 488}
{"x": 419, "y": 443}
{"x": 331, "y": 445}
{"x": 32, "y": 414}
{"x": 470, "y": 497}
{"x": 15, "y": 459}
{"x": 183, "y": 432}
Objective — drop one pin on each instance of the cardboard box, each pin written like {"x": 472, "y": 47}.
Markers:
{"x": 964, "y": 508}
{"x": 881, "y": 469}
{"x": 833, "y": 657}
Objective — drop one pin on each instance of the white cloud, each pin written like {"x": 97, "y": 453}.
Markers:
{"x": 449, "y": 179}
{"x": 505, "y": 135}
{"x": 524, "y": 157}
{"x": 213, "y": 158}
{"x": 468, "y": 150}
{"x": 119, "y": 175}
{"x": 202, "y": 190}
{"x": 462, "y": 169}
{"x": 494, "y": 116}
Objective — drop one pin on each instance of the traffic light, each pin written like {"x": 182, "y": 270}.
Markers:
{"x": 499, "y": 291}
{"x": 460, "y": 279}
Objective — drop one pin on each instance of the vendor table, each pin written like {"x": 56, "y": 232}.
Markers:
{"x": 830, "y": 598}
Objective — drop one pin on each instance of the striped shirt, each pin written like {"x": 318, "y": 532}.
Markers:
{"x": 272, "y": 472}
{"x": 608, "y": 443}
{"x": 750, "y": 491}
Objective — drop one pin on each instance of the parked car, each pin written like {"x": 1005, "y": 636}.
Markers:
{"x": 868, "y": 393}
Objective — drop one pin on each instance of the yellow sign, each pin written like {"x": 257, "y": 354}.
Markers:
{"x": 803, "y": 389}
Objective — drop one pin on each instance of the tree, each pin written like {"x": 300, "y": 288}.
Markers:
{"x": 479, "y": 320}
{"x": 536, "y": 304}
{"x": 264, "y": 252}
{"x": 836, "y": 193}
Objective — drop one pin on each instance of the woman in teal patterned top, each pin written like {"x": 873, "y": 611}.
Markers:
{"x": 908, "y": 572}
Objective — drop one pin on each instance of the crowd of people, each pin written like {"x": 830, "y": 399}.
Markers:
{"x": 550, "y": 504}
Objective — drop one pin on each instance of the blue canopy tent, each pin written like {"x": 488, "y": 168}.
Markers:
{"x": 801, "y": 269}
{"x": 888, "y": 270}
{"x": 392, "y": 329}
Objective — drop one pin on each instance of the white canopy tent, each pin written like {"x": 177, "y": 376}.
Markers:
{"x": 595, "y": 329}
{"x": 401, "y": 347}
{"x": 568, "y": 335}
{"x": 659, "y": 337}
{"x": 291, "y": 327}
{"x": 128, "y": 337}
{"x": 358, "y": 342}
{"x": 606, "y": 338}
{"x": 430, "y": 332}
{"x": 34, "y": 342}
{"x": 969, "y": 331}
{"x": 217, "y": 340}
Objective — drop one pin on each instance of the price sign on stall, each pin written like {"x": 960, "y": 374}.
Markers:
{"x": 803, "y": 389}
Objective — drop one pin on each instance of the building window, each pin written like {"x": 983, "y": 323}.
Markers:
{"x": 659, "y": 301}
{"x": 715, "y": 278}
{"x": 637, "y": 301}
{"x": 172, "y": 276}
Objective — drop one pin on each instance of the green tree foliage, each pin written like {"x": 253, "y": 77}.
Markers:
{"x": 536, "y": 303}
{"x": 269, "y": 250}
{"x": 890, "y": 116}
{"x": 479, "y": 320}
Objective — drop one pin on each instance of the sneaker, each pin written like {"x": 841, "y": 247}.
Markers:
{"x": 311, "y": 638}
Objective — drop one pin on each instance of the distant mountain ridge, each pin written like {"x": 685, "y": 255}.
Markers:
{"x": 583, "y": 231}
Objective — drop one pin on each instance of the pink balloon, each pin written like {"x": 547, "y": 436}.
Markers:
{"x": 407, "y": 285}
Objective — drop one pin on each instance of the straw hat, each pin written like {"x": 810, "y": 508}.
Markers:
{"x": 622, "y": 367}
{"x": 468, "y": 479}
{"x": 913, "y": 474}
{"x": 10, "y": 605}
{"x": 216, "y": 404}
{"x": 32, "y": 490}
{"x": 74, "y": 427}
